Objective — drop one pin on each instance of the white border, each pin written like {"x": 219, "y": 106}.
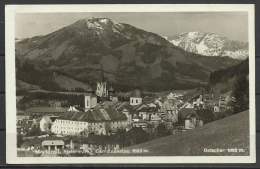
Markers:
{"x": 11, "y": 10}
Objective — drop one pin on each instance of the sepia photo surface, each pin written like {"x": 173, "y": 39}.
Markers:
{"x": 159, "y": 83}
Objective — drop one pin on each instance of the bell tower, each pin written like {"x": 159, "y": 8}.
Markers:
{"x": 101, "y": 85}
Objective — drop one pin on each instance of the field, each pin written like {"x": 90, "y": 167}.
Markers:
{"x": 45, "y": 91}
{"x": 231, "y": 132}
{"x": 69, "y": 83}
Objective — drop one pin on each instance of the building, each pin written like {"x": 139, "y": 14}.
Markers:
{"x": 102, "y": 85}
{"x": 90, "y": 101}
{"x": 53, "y": 144}
{"x": 24, "y": 126}
{"x": 113, "y": 97}
{"x": 46, "y": 123}
{"x": 136, "y": 97}
{"x": 159, "y": 102}
{"x": 147, "y": 113}
{"x": 198, "y": 100}
{"x": 106, "y": 117}
{"x": 224, "y": 99}
{"x": 189, "y": 118}
{"x": 166, "y": 107}
{"x": 72, "y": 108}
{"x": 99, "y": 121}
{"x": 22, "y": 117}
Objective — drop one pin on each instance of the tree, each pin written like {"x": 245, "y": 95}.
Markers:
{"x": 240, "y": 101}
{"x": 19, "y": 140}
{"x": 35, "y": 131}
{"x": 106, "y": 128}
{"x": 162, "y": 131}
{"x": 49, "y": 125}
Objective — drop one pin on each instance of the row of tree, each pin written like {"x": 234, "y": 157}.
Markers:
{"x": 68, "y": 99}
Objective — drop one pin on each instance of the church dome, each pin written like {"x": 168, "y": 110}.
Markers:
{"x": 137, "y": 93}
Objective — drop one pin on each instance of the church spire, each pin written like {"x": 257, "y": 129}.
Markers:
{"x": 101, "y": 77}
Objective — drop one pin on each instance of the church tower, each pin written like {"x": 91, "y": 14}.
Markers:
{"x": 101, "y": 85}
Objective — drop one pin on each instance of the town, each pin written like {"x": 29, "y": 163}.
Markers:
{"x": 109, "y": 122}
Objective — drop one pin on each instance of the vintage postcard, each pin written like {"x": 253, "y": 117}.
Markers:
{"x": 160, "y": 83}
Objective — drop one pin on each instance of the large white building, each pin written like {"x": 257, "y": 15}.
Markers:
{"x": 98, "y": 121}
{"x": 103, "y": 118}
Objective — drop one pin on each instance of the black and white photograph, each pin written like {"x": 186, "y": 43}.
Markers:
{"x": 154, "y": 82}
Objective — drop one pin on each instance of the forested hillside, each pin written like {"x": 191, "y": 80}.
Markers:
{"x": 223, "y": 75}
{"x": 27, "y": 73}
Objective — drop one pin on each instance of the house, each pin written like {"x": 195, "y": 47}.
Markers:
{"x": 224, "y": 99}
{"x": 151, "y": 105}
{"x": 159, "y": 101}
{"x": 140, "y": 123}
{"x": 171, "y": 116}
{"x": 155, "y": 118}
{"x": 46, "y": 123}
{"x": 24, "y": 126}
{"x": 198, "y": 100}
{"x": 73, "y": 108}
{"x": 113, "y": 97}
{"x": 189, "y": 118}
{"x": 205, "y": 115}
{"x": 22, "y": 117}
{"x": 53, "y": 144}
{"x": 167, "y": 106}
{"x": 147, "y": 112}
{"x": 90, "y": 101}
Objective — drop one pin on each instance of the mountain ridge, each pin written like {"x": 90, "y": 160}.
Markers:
{"x": 210, "y": 44}
{"x": 130, "y": 56}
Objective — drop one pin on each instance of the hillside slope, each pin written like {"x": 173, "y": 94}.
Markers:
{"x": 230, "y": 132}
{"x": 224, "y": 75}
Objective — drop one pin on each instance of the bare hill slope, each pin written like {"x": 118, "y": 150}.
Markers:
{"x": 231, "y": 132}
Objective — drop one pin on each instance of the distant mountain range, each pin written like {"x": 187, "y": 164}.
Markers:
{"x": 130, "y": 56}
{"x": 210, "y": 44}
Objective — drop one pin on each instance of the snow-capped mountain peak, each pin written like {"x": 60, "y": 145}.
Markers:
{"x": 209, "y": 44}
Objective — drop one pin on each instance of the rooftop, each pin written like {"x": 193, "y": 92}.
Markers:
{"x": 183, "y": 113}
{"x": 52, "y": 143}
{"x": 137, "y": 93}
{"x": 95, "y": 115}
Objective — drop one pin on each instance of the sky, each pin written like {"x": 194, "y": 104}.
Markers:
{"x": 233, "y": 25}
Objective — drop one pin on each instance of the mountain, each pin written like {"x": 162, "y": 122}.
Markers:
{"x": 210, "y": 44}
{"x": 130, "y": 56}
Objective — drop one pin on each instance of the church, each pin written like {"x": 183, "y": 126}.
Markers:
{"x": 102, "y": 115}
{"x": 101, "y": 93}
{"x": 102, "y": 85}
